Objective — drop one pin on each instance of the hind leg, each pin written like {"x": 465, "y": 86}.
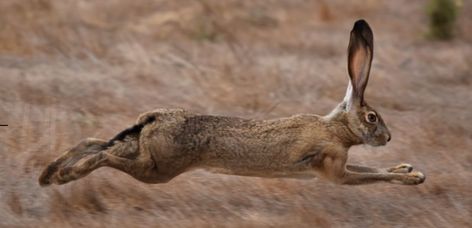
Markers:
{"x": 93, "y": 154}
{"x": 80, "y": 170}
{"x": 101, "y": 159}
{"x": 86, "y": 148}
{"x": 143, "y": 170}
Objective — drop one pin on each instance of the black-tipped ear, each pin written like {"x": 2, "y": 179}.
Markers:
{"x": 360, "y": 53}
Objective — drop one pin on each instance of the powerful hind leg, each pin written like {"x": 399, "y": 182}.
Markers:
{"x": 143, "y": 170}
{"x": 86, "y": 148}
{"x": 93, "y": 154}
{"x": 80, "y": 170}
{"x": 87, "y": 156}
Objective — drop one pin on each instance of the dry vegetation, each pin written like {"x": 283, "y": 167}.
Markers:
{"x": 74, "y": 69}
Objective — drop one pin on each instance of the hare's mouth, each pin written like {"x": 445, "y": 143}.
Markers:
{"x": 378, "y": 143}
{"x": 375, "y": 142}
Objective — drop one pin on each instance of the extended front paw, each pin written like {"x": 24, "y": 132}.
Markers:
{"x": 413, "y": 178}
{"x": 402, "y": 168}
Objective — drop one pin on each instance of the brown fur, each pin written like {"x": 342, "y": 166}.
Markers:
{"x": 165, "y": 143}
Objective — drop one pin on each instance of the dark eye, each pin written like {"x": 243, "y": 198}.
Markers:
{"x": 371, "y": 117}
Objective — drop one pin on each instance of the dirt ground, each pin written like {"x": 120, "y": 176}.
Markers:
{"x": 76, "y": 69}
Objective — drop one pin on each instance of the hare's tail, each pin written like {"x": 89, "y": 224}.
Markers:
{"x": 131, "y": 131}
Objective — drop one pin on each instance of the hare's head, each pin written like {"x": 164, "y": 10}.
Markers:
{"x": 363, "y": 120}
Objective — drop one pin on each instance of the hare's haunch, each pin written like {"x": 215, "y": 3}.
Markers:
{"x": 165, "y": 143}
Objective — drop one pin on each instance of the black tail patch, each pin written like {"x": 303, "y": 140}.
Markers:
{"x": 134, "y": 130}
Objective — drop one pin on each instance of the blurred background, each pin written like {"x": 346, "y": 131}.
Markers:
{"x": 76, "y": 69}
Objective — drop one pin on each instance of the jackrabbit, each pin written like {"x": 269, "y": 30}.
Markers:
{"x": 165, "y": 143}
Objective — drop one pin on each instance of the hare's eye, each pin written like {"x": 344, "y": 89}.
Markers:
{"x": 371, "y": 117}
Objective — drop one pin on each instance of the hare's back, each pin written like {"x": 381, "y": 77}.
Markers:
{"x": 182, "y": 130}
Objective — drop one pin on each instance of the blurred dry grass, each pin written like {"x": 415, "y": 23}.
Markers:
{"x": 74, "y": 69}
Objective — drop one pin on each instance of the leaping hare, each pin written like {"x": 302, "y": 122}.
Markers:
{"x": 165, "y": 143}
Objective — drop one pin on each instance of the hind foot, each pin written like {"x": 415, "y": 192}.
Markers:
{"x": 62, "y": 165}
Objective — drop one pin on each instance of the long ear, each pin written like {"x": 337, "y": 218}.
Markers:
{"x": 360, "y": 53}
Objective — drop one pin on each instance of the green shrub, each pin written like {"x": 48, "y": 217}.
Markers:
{"x": 442, "y": 16}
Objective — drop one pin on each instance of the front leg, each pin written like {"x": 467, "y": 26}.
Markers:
{"x": 364, "y": 169}
{"x": 354, "y": 178}
{"x": 335, "y": 168}
{"x": 402, "y": 168}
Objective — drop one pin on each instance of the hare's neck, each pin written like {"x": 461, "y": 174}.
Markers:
{"x": 338, "y": 124}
